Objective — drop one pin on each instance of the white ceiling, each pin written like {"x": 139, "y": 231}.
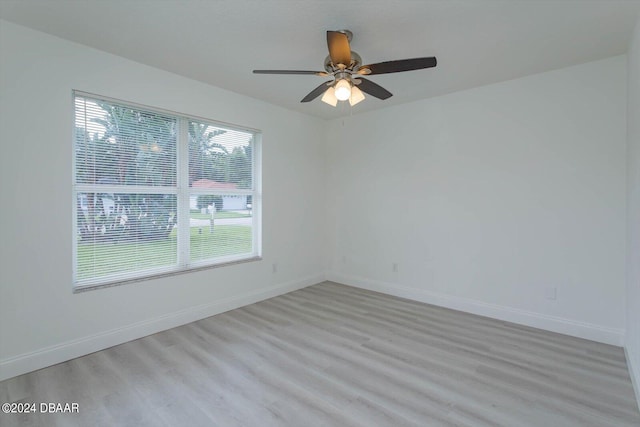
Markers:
{"x": 220, "y": 42}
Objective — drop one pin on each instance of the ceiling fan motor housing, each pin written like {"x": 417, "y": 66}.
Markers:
{"x": 330, "y": 67}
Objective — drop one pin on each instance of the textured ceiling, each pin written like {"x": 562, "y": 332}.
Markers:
{"x": 476, "y": 42}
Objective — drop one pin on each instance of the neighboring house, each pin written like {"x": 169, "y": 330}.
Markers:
{"x": 229, "y": 202}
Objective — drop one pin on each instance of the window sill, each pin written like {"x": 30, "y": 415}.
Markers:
{"x": 86, "y": 288}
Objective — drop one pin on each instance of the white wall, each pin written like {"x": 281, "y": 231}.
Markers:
{"x": 632, "y": 341}
{"x": 488, "y": 197}
{"x": 495, "y": 195}
{"x": 42, "y": 321}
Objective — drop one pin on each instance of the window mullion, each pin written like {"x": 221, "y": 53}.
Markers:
{"x": 256, "y": 198}
{"x": 183, "y": 193}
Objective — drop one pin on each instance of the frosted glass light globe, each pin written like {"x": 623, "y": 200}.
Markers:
{"x": 356, "y": 96}
{"x": 343, "y": 90}
{"x": 329, "y": 97}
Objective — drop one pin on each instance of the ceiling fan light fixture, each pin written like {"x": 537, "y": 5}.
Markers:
{"x": 329, "y": 97}
{"x": 345, "y": 68}
{"x": 343, "y": 90}
{"x": 356, "y": 96}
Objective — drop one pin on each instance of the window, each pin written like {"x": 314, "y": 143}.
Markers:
{"x": 157, "y": 193}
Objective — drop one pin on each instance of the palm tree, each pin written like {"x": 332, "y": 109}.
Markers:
{"x": 136, "y": 148}
{"x": 139, "y": 146}
{"x": 207, "y": 158}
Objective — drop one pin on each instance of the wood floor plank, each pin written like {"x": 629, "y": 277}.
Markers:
{"x": 332, "y": 355}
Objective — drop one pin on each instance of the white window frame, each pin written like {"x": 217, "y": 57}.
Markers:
{"x": 182, "y": 192}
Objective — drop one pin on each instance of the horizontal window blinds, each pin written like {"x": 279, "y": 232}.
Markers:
{"x": 157, "y": 192}
{"x": 221, "y": 187}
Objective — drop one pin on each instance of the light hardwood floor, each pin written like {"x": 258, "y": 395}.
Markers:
{"x": 331, "y": 355}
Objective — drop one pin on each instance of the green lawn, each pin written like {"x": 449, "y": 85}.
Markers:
{"x": 225, "y": 240}
{"x": 100, "y": 259}
{"x": 219, "y": 215}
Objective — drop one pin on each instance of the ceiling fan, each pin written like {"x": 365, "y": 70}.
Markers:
{"x": 346, "y": 69}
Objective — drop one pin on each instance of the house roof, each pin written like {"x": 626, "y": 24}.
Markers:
{"x": 213, "y": 185}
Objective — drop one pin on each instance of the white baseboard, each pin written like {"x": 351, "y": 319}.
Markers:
{"x": 634, "y": 373}
{"x": 509, "y": 314}
{"x": 48, "y": 356}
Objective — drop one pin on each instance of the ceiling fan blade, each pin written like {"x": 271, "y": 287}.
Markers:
{"x": 339, "y": 49}
{"x": 317, "y": 92}
{"x": 373, "y": 89}
{"x": 398, "y": 66}
{"x": 315, "y": 73}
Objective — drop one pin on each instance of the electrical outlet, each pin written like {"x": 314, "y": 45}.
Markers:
{"x": 394, "y": 267}
{"x": 274, "y": 267}
{"x": 344, "y": 259}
